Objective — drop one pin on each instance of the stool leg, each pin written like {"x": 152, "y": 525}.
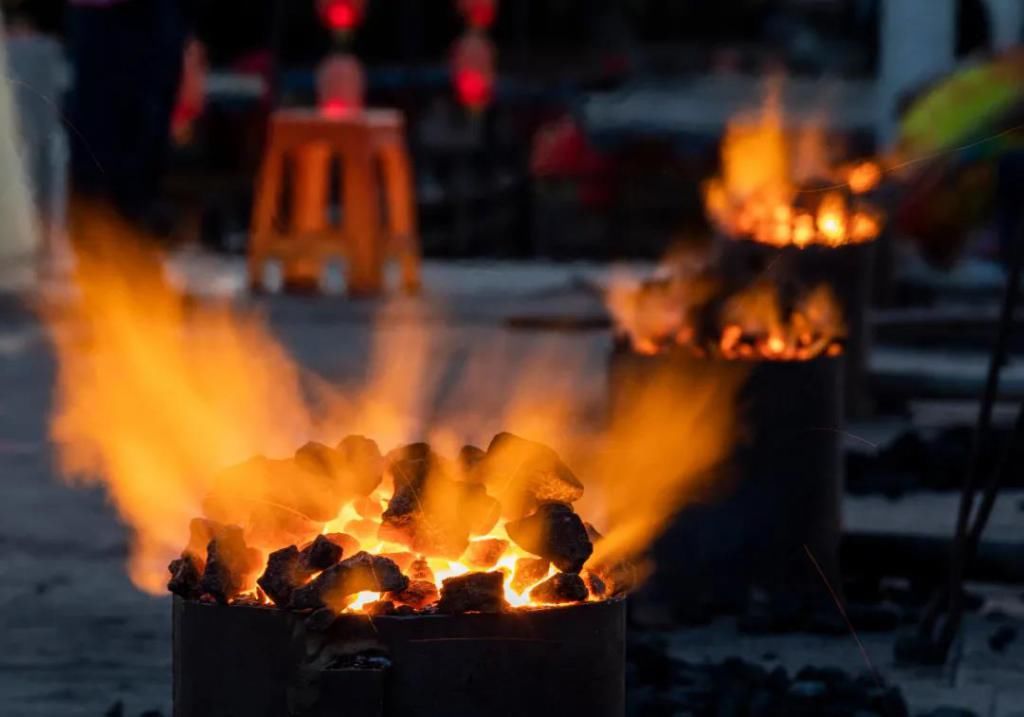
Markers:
{"x": 309, "y": 207}
{"x": 401, "y": 204}
{"x": 264, "y": 213}
{"x": 362, "y": 220}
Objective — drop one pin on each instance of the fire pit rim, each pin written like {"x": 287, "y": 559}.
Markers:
{"x": 522, "y": 610}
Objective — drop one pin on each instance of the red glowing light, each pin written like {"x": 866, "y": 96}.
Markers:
{"x": 480, "y": 14}
{"x": 342, "y": 15}
{"x": 336, "y": 108}
{"x": 474, "y": 88}
{"x": 339, "y": 85}
{"x": 473, "y": 70}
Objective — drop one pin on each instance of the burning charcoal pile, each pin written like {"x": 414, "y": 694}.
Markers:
{"x": 347, "y": 529}
{"x": 757, "y": 321}
{"x": 784, "y": 191}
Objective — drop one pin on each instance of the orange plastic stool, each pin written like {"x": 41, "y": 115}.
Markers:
{"x": 377, "y": 222}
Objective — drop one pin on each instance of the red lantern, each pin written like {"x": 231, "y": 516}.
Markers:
{"x": 473, "y": 71}
{"x": 340, "y": 85}
{"x": 479, "y": 14}
{"x": 342, "y": 15}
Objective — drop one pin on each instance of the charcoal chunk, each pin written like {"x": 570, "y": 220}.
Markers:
{"x": 430, "y": 513}
{"x": 361, "y": 572}
{"x": 289, "y": 568}
{"x": 321, "y": 554}
{"x": 473, "y": 592}
{"x": 368, "y": 507}
{"x": 556, "y": 533}
{"x": 364, "y": 465}
{"x": 229, "y": 565}
{"x": 186, "y": 573}
{"x": 522, "y": 473}
{"x": 479, "y": 510}
{"x": 355, "y": 468}
{"x": 560, "y": 588}
{"x": 284, "y": 573}
{"x": 426, "y": 533}
{"x": 420, "y": 451}
{"x": 595, "y": 584}
{"x": 619, "y": 577}
{"x": 420, "y": 570}
{"x": 270, "y": 526}
{"x": 419, "y": 594}
{"x": 403, "y": 560}
{"x": 469, "y": 460}
{"x": 415, "y": 463}
{"x": 529, "y": 571}
{"x": 318, "y": 458}
{"x": 484, "y": 554}
{"x": 349, "y": 544}
{"x": 379, "y": 608}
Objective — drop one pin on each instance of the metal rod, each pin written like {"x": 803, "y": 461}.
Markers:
{"x": 950, "y": 597}
{"x": 1008, "y": 462}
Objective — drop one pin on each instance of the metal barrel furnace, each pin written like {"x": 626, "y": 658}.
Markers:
{"x": 847, "y": 270}
{"x": 251, "y": 661}
{"x": 774, "y": 502}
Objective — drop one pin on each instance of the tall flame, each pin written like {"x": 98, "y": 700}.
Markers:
{"x": 153, "y": 395}
{"x": 157, "y": 393}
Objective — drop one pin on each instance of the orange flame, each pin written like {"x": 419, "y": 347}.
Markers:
{"x": 759, "y": 193}
{"x": 751, "y": 324}
{"x": 158, "y": 393}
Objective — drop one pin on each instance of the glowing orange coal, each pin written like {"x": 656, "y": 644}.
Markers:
{"x": 352, "y": 530}
{"x": 754, "y": 326}
{"x": 687, "y": 312}
{"x": 780, "y": 189}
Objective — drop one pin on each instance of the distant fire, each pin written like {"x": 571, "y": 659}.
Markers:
{"x": 691, "y": 314}
{"x": 782, "y": 190}
{"x": 754, "y": 325}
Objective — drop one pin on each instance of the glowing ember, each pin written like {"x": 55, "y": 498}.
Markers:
{"x": 432, "y": 545}
{"x": 783, "y": 191}
{"x": 755, "y": 325}
{"x": 749, "y": 324}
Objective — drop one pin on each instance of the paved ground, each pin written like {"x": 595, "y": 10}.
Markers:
{"x": 75, "y": 637}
